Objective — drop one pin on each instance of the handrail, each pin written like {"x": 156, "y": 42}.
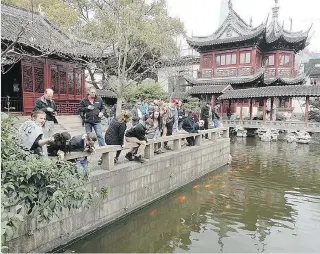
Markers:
{"x": 108, "y": 151}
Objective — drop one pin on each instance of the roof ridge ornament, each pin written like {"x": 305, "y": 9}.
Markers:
{"x": 230, "y": 4}
{"x": 275, "y": 10}
{"x": 251, "y": 21}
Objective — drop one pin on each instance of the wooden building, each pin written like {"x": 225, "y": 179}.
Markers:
{"x": 42, "y": 57}
{"x": 242, "y": 56}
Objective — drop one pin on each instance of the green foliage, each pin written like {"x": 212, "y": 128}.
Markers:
{"x": 104, "y": 191}
{"x": 140, "y": 33}
{"x": 57, "y": 11}
{"x": 151, "y": 91}
{"x": 314, "y": 114}
{"x": 193, "y": 104}
{"x": 35, "y": 186}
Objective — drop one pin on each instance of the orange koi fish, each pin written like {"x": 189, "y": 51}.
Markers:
{"x": 153, "y": 212}
{"x": 207, "y": 185}
{"x": 196, "y": 186}
{"x": 181, "y": 198}
{"x": 224, "y": 196}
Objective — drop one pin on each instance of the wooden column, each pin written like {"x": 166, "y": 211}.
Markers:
{"x": 221, "y": 108}
{"x": 307, "y": 111}
{"x": 271, "y": 108}
{"x": 250, "y": 109}
{"x": 241, "y": 112}
{"x": 264, "y": 109}
{"x": 212, "y": 102}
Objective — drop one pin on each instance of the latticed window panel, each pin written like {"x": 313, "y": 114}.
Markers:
{"x": 27, "y": 78}
{"x": 54, "y": 80}
{"x": 63, "y": 82}
{"x": 38, "y": 79}
{"x": 70, "y": 83}
{"x": 78, "y": 83}
{"x": 67, "y": 108}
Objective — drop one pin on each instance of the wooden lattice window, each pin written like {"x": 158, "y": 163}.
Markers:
{"x": 70, "y": 83}
{"x": 207, "y": 61}
{"x": 38, "y": 79}
{"x": 27, "y": 78}
{"x": 54, "y": 80}
{"x": 63, "y": 82}
{"x": 78, "y": 83}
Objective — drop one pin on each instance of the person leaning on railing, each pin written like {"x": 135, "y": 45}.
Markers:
{"x": 115, "y": 133}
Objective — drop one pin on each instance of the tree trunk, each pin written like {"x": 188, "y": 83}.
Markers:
{"x": 93, "y": 80}
{"x": 119, "y": 105}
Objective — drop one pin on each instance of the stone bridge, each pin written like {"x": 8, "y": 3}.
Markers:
{"x": 279, "y": 125}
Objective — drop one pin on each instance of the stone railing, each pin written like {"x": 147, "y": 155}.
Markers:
{"x": 130, "y": 186}
{"x": 298, "y": 125}
{"x": 109, "y": 152}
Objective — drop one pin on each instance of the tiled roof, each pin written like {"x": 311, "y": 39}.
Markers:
{"x": 235, "y": 25}
{"x": 43, "y": 35}
{"x": 180, "y": 95}
{"x": 276, "y": 32}
{"x": 299, "y": 79}
{"x": 234, "y": 29}
{"x": 273, "y": 91}
{"x": 227, "y": 80}
{"x": 209, "y": 89}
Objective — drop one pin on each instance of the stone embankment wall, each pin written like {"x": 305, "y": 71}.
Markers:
{"x": 130, "y": 186}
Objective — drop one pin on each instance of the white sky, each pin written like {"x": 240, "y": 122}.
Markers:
{"x": 201, "y": 17}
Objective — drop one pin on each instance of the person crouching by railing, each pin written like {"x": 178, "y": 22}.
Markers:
{"x": 60, "y": 146}
{"x": 82, "y": 143}
{"x": 115, "y": 133}
{"x": 137, "y": 134}
{"x": 189, "y": 126}
{"x": 30, "y": 133}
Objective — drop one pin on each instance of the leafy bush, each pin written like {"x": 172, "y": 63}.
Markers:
{"x": 193, "y": 104}
{"x": 35, "y": 186}
{"x": 151, "y": 91}
{"x": 314, "y": 114}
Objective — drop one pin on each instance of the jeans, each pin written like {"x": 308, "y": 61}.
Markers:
{"x": 215, "y": 123}
{"x": 98, "y": 130}
{"x": 82, "y": 166}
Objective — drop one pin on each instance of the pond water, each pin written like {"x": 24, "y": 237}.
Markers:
{"x": 268, "y": 200}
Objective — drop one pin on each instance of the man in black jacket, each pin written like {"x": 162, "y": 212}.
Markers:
{"x": 46, "y": 104}
{"x": 205, "y": 116}
{"x": 137, "y": 134}
{"x": 93, "y": 109}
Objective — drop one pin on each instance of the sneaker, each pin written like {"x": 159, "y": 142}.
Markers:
{"x": 129, "y": 156}
{"x": 157, "y": 152}
{"x": 139, "y": 159}
{"x": 100, "y": 161}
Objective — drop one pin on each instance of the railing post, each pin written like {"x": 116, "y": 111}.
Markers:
{"x": 177, "y": 144}
{"x": 214, "y": 135}
{"x": 198, "y": 140}
{"x": 108, "y": 160}
{"x": 226, "y": 133}
{"x": 149, "y": 151}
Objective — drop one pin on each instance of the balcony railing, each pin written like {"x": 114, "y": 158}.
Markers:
{"x": 11, "y": 104}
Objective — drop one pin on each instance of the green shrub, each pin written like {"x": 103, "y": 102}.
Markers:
{"x": 35, "y": 186}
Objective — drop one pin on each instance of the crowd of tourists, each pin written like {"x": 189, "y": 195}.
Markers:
{"x": 143, "y": 122}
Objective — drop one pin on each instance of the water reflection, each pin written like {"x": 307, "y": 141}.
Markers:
{"x": 268, "y": 200}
